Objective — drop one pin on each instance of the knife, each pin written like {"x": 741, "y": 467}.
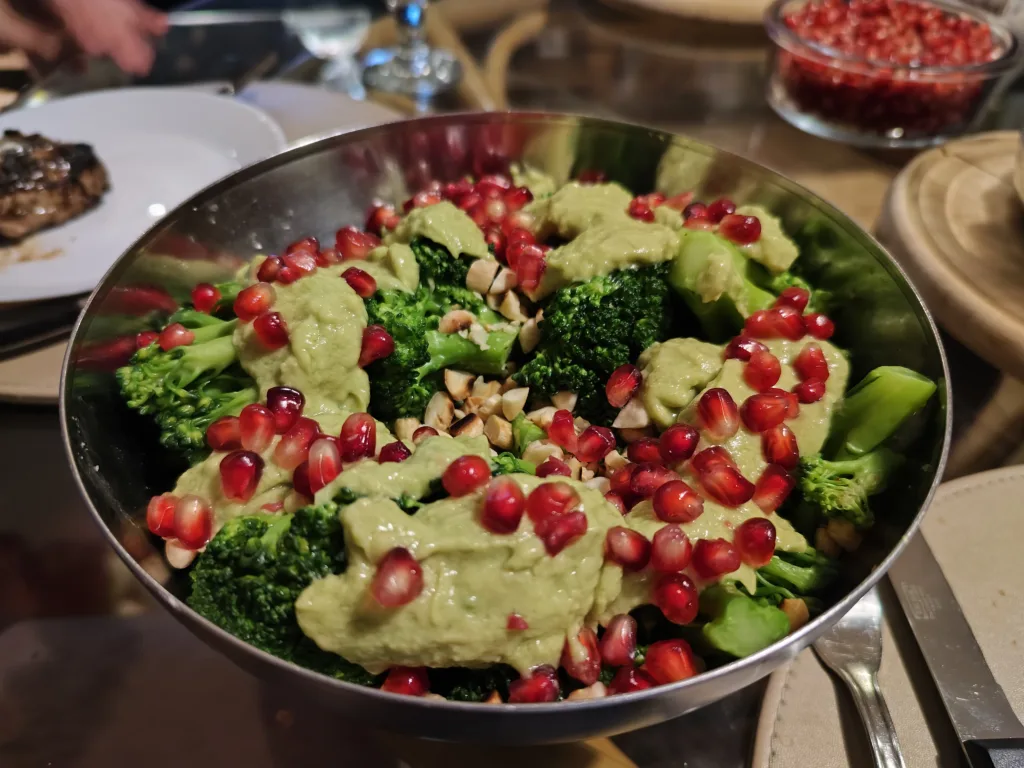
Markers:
{"x": 985, "y": 723}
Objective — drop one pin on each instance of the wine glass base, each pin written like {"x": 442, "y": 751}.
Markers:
{"x": 421, "y": 73}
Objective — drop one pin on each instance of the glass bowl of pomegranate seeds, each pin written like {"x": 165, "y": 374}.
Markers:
{"x": 885, "y": 73}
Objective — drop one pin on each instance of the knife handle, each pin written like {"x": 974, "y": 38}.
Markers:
{"x": 995, "y": 753}
{"x": 885, "y": 746}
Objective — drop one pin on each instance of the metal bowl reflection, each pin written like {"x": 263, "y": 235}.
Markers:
{"x": 316, "y": 188}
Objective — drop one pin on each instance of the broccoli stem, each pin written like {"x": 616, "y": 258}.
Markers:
{"x": 202, "y": 358}
{"x": 524, "y": 432}
{"x": 874, "y": 409}
{"x": 449, "y": 349}
{"x": 841, "y": 488}
{"x": 812, "y": 574}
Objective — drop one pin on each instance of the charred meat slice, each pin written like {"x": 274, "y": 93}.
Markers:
{"x": 44, "y": 183}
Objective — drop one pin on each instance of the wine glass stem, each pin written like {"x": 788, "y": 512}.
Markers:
{"x": 411, "y": 17}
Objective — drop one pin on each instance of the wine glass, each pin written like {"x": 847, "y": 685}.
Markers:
{"x": 412, "y": 67}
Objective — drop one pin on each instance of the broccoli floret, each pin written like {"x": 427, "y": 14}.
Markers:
{"x": 592, "y": 328}
{"x": 247, "y": 579}
{"x": 524, "y": 432}
{"x": 841, "y": 488}
{"x": 188, "y": 387}
{"x": 738, "y": 625}
{"x": 402, "y": 383}
{"x": 797, "y": 574}
{"x": 437, "y": 265}
{"x": 460, "y": 684}
{"x": 509, "y": 464}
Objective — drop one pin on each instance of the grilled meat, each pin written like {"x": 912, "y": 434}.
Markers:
{"x": 44, "y": 183}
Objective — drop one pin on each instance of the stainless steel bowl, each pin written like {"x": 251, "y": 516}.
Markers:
{"x": 318, "y": 187}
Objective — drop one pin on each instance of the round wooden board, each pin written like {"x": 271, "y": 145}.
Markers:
{"x": 955, "y": 223}
{"x": 725, "y": 11}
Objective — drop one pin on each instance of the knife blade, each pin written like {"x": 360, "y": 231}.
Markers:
{"x": 985, "y": 723}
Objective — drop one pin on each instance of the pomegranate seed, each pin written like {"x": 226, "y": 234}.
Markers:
{"x": 224, "y": 434}
{"x": 286, "y": 405}
{"x": 495, "y": 210}
{"x": 755, "y": 541}
{"x": 640, "y": 210}
{"x": 548, "y": 501}
{"x": 269, "y": 269}
{"x": 205, "y": 297}
{"x": 553, "y": 466}
{"x": 422, "y": 433}
{"x": 308, "y": 244}
{"x": 273, "y": 506}
{"x": 530, "y": 266}
{"x": 795, "y": 297}
{"x": 669, "y": 661}
{"x": 240, "y": 473}
{"x": 778, "y": 445}
{"x": 718, "y": 414}
{"x": 561, "y": 531}
{"x": 591, "y": 176}
{"x": 743, "y": 347}
{"x": 709, "y": 458}
{"x": 678, "y": 443}
{"x": 517, "y": 197}
{"x": 629, "y": 679}
{"x": 516, "y": 623}
{"x": 539, "y": 687}
{"x": 671, "y": 550}
{"x": 678, "y": 202}
{"x": 742, "y": 230}
{"x": 394, "y": 453}
{"x": 763, "y": 371}
{"x": 253, "y": 301}
{"x": 175, "y": 335}
{"x": 288, "y": 275}
{"x": 398, "y": 580}
{"x": 358, "y": 438}
{"x": 409, "y": 681}
{"x": 519, "y": 247}
{"x": 763, "y": 411}
{"x": 471, "y": 202}
{"x": 789, "y": 323}
{"x": 360, "y": 281}
{"x": 618, "y": 643}
{"x": 623, "y": 384}
{"x": 503, "y": 506}
{"x": 621, "y": 480}
{"x": 353, "y": 244}
{"x": 324, "y": 463}
{"x": 725, "y": 485}
{"x": 517, "y": 228}
{"x": 719, "y": 209}
{"x": 760, "y": 325}
{"x": 646, "y": 449}
{"x": 160, "y": 515}
{"x": 302, "y": 262}
{"x": 193, "y": 521}
{"x": 562, "y": 431}
{"x": 381, "y": 217}
{"x": 676, "y": 502}
{"x": 144, "y": 338}
{"x": 465, "y": 475}
{"x": 377, "y": 344}
{"x": 695, "y": 211}
{"x": 493, "y": 184}
{"x": 810, "y": 391}
{"x": 616, "y": 501}
{"x": 496, "y": 241}
{"x": 327, "y": 257}
{"x": 293, "y": 448}
{"x": 421, "y": 199}
{"x": 819, "y": 326}
{"x": 773, "y": 487}
{"x": 256, "y": 427}
{"x": 300, "y": 481}
{"x": 792, "y": 401}
{"x": 594, "y": 444}
{"x": 811, "y": 363}
{"x": 628, "y": 548}
{"x": 676, "y": 596}
{"x": 646, "y": 479}
{"x": 583, "y": 661}
{"x": 715, "y": 557}
{"x": 271, "y": 330}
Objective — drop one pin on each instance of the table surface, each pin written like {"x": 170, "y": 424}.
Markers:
{"x": 692, "y": 77}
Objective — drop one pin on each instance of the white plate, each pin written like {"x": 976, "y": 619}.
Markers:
{"x": 160, "y": 146}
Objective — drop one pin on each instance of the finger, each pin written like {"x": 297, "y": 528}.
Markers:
{"x": 134, "y": 55}
{"x": 153, "y": 22}
{"x": 19, "y": 33}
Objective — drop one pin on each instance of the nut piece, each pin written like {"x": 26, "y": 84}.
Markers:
{"x": 513, "y": 402}
{"x": 456, "y": 320}
{"x": 458, "y": 383}
{"x": 542, "y": 416}
{"x": 458, "y": 413}
{"x": 565, "y": 401}
{"x": 439, "y": 413}
{"x": 614, "y": 461}
{"x": 493, "y": 698}
{"x": 632, "y": 416}
{"x": 595, "y": 691}
{"x": 586, "y": 473}
{"x": 505, "y": 281}
{"x": 843, "y": 533}
{"x": 470, "y": 425}
{"x": 574, "y": 467}
{"x": 405, "y": 427}
{"x": 512, "y": 308}
{"x": 796, "y": 611}
{"x": 489, "y": 406}
{"x": 499, "y": 432}
{"x": 529, "y": 335}
{"x": 478, "y": 335}
{"x": 580, "y": 423}
{"x": 493, "y": 300}
{"x": 600, "y": 484}
{"x": 484, "y": 389}
{"x": 825, "y": 543}
{"x": 481, "y": 274}
{"x": 539, "y": 450}
{"x": 177, "y": 556}
{"x": 507, "y": 384}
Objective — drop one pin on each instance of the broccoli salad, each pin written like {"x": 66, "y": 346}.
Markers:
{"x": 518, "y": 441}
